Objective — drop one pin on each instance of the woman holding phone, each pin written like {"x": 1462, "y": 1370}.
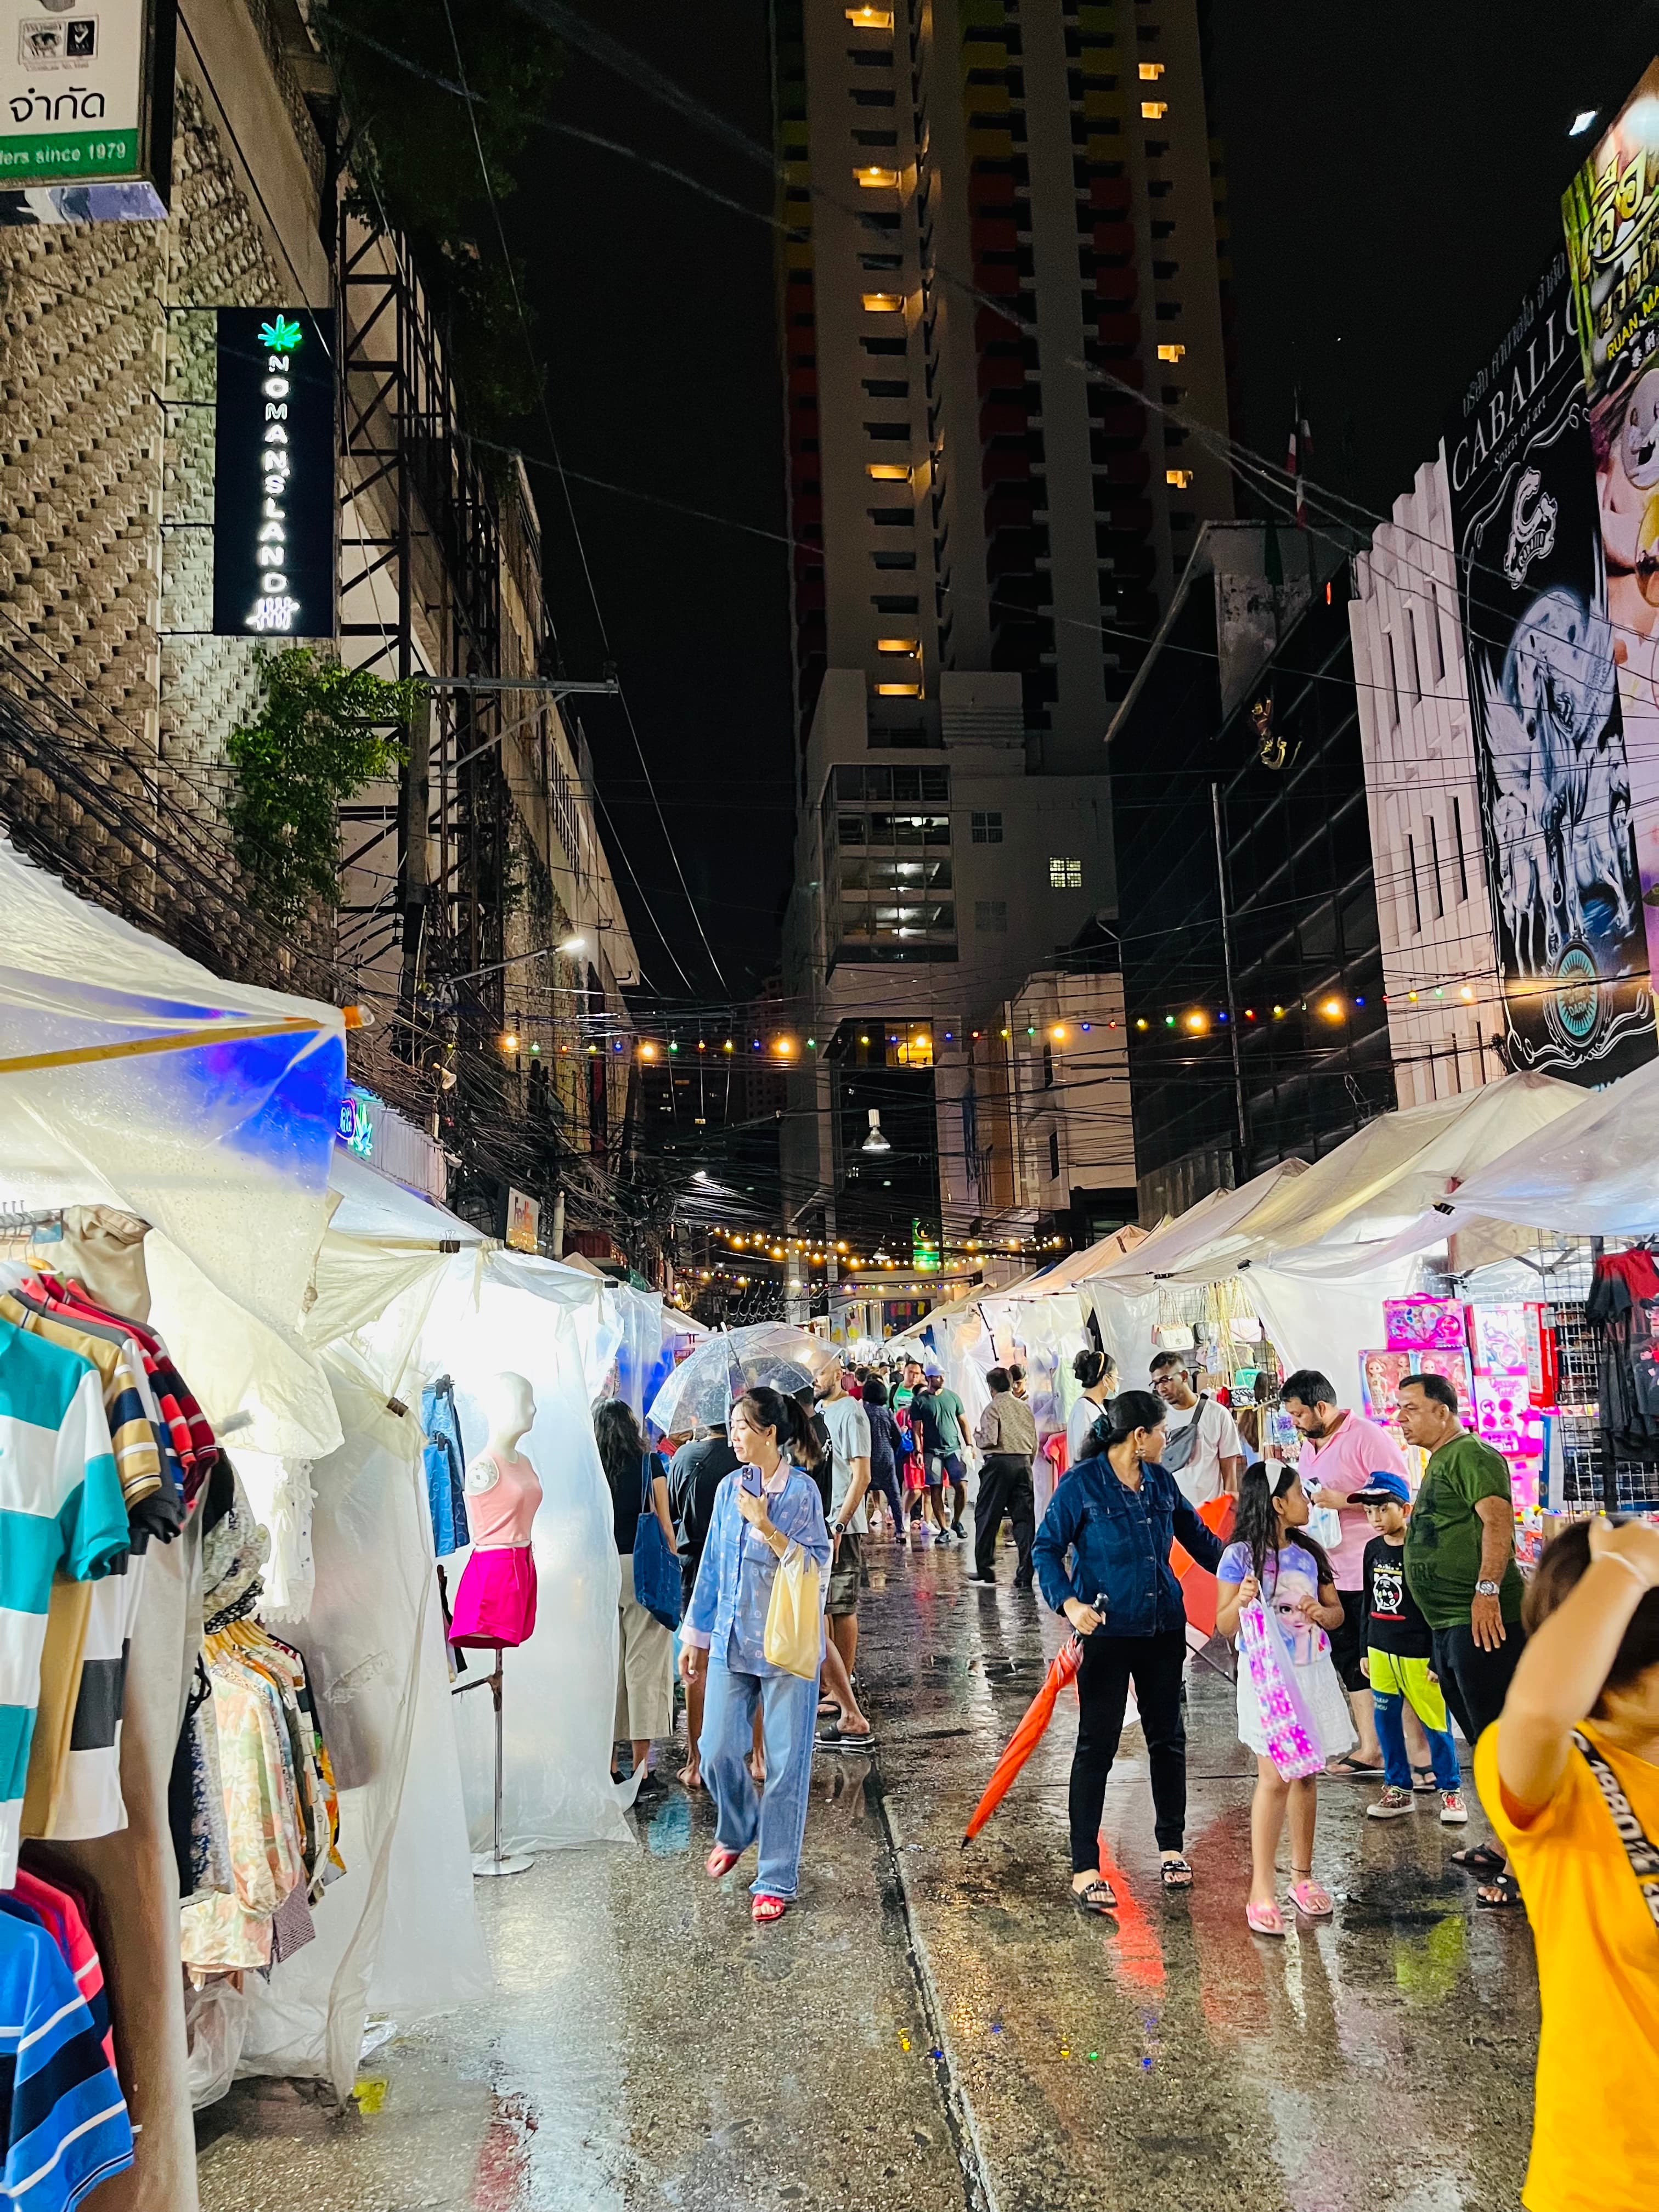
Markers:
{"x": 765, "y": 1506}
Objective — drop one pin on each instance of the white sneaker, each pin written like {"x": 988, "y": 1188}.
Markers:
{"x": 1392, "y": 1805}
{"x": 1454, "y": 1812}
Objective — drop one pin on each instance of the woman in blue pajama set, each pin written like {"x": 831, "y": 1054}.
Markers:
{"x": 762, "y": 1508}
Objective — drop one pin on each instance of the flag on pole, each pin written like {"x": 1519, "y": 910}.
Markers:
{"x": 1296, "y": 460}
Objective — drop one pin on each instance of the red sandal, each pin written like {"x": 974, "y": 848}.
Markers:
{"x": 765, "y": 1910}
{"x": 720, "y": 1861}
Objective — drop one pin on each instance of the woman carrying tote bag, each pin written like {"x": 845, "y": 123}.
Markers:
{"x": 645, "y": 1647}
{"x": 765, "y": 1511}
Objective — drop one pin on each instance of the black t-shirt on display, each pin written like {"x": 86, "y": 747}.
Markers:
{"x": 1394, "y": 1620}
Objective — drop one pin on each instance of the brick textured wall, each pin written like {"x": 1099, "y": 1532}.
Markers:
{"x": 106, "y": 380}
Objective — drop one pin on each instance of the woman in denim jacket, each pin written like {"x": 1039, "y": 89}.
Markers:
{"x": 1118, "y": 1513}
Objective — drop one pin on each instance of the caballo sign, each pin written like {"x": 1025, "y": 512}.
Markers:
{"x": 273, "y": 478}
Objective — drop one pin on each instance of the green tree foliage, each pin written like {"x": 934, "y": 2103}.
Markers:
{"x": 413, "y": 152}
{"x": 321, "y": 734}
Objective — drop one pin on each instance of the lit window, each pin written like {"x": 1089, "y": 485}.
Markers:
{"x": 877, "y": 180}
{"x": 1172, "y": 353}
{"x": 1065, "y": 875}
{"x": 1151, "y": 72}
{"x": 871, "y": 19}
{"x": 1154, "y": 111}
{"x": 898, "y": 645}
{"x": 986, "y": 829}
{"x": 898, "y": 690}
{"x": 1180, "y": 476}
{"x": 883, "y": 303}
{"x": 888, "y": 471}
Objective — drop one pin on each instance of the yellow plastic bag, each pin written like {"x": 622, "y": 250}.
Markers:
{"x": 795, "y": 1618}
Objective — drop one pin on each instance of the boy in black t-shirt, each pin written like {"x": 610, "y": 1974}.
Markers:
{"x": 1398, "y": 1660}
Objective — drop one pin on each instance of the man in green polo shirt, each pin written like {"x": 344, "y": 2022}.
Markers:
{"x": 1460, "y": 1567}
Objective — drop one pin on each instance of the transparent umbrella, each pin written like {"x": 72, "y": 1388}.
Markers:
{"x": 723, "y": 1366}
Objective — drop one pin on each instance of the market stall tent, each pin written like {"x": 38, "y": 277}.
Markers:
{"x": 1590, "y": 1172}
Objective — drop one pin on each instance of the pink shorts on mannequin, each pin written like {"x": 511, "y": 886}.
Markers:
{"x": 496, "y": 1600}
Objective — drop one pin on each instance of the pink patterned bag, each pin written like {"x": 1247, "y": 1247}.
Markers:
{"x": 1293, "y": 1740}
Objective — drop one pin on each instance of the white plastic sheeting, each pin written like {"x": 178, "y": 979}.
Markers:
{"x": 1174, "y": 1244}
{"x": 1590, "y": 1173}
{"x": 368, "y": 1647}
{"x": 510, "y": 1313}
{"x": 223, "y": 1147}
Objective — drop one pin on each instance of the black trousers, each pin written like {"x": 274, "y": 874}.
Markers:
{"x": 1154, "y": 1664}
{"x": 1004, "y": 1486}
{"x": 1473, "y": 1682}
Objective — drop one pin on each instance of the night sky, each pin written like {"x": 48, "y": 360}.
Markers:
{"x": 1396, "y": 178}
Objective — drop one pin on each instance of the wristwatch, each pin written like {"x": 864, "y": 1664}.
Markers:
{"x": 1488, "y": 1589}
{"x": 839, "y": 1528}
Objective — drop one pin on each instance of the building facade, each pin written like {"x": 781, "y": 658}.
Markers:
{"x": 1001, "y": 305}
{"x": 1440, "y": 971}
{"x": 117, "y": 701}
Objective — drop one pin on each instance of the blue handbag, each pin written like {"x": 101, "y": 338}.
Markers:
{"x": 656, "y": 1565}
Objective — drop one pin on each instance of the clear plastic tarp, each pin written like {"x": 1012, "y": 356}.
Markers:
{"x": 509, "y": 1313}
{"x": 376, "y": 1671}
{"x": 723, "y": 1365}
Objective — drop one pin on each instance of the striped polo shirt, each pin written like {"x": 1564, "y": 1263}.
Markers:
{"x": 61, "y": 1509}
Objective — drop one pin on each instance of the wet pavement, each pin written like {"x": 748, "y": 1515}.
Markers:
{"x": 935, "y": 2030}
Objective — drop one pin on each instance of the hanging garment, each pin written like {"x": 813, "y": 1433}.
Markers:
{"x": 193, "y": 1439}
{"x": 446, "y": 1484}
{"x": 1623, "y": 1310}
{"x": 66, "y": 2128}
{"x": 65, "y": 1922}
{"x": 196, "y": 1801}
{"x": 61, "y": 1497}
{"x": 290, "y": 1572}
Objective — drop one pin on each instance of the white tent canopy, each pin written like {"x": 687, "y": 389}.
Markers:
{"x": 1174, "y": 1245}
{"x": 1588, "y": 1173}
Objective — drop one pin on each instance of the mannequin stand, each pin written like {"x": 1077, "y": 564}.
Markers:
{"x": 494, "y": 1861}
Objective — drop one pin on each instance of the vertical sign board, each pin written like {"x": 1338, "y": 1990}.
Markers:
{"x": 1610, "y": 214}
{"x": 273, "y": 474}
{"x": 1550, "y": 747}
{"x": 524, "y": 1222}
{"x": 85, "y": 110}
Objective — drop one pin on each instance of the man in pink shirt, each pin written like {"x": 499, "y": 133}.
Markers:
{"x": 1341, "y": 1452}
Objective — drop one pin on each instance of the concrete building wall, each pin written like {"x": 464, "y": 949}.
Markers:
{"x": 1439, "y": 951}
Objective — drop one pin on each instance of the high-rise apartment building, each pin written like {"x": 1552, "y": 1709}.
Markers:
{"x": 1001, "y": 300}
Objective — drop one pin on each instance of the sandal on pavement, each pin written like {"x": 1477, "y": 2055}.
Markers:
{"x": 1311, "y": 1897}
{"x": 1500, "y": 1894}
{"x": 765, "y": 1910}
{"x": 1174, "y": 1873}
{"x": 1265, "y": 1919}
{"x": 1423, "y": 1781}
{"x": 1354, "y": 1769}
{"x": 853, "y": 1740}
{"x": 1098, "y": 1897}
{"x": 720, "y": 1861}
{"x": 1480, "y": 1859}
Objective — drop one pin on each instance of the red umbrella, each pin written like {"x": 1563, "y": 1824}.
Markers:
{"x": 1026, "y": 1737}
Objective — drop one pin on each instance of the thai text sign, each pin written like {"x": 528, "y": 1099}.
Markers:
{"x": 77, "y": 94}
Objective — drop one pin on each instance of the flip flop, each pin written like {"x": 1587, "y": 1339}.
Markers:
{"x": 1501, "y": 1894}
{"x": 1353, "y": 1769}
{"x": 1098, "y": 1897}
{"x": 720, "y": 1861}
{"x": 1174, "y": 1873}
{"x": 1312, "y": 1898}
{"x": 841, "y": 1739}
{"x": 1480, "y": 1859}
{"x": 1265, "y": 1919}
{"x": 765, "y": 1910}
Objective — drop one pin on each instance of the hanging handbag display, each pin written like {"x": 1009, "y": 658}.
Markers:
{"x": 656, "y": 1565}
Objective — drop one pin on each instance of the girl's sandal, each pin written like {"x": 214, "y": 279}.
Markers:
{"x": 1500, "y": 1893}
{"x": 1310, "y": 1897}
{"x": 765, "y": 1910}
{"x": 720, "y": 1861}
{"x": 1098, "y": 1897}
{"x": 1174, "y": 1873}
{"x": 1423, "y": 1781}
{"x": 1265, "y": 1919}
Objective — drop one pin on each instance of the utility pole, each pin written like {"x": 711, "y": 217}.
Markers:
{"x": 1241, "y": 1139}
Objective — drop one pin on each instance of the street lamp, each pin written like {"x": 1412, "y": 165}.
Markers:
{"x": 875, "y": 1142}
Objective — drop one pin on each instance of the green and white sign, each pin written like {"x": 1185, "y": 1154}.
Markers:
{"x": 86, "y": 102}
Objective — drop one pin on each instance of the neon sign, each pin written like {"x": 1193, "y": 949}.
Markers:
{"x": 273, "y": 497}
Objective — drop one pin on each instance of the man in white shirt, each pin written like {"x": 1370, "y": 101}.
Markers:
{"x": 1205, "y": 1452}
{"x": 849, "y": 1443}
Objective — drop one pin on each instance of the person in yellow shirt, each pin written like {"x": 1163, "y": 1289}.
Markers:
{"x": 1569, "y": 1775}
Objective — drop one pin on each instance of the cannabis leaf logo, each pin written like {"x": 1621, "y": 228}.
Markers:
{"x": 282, "y": 335}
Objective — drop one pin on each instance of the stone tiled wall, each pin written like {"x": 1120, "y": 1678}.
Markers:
{"x": 106, "y": 377}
